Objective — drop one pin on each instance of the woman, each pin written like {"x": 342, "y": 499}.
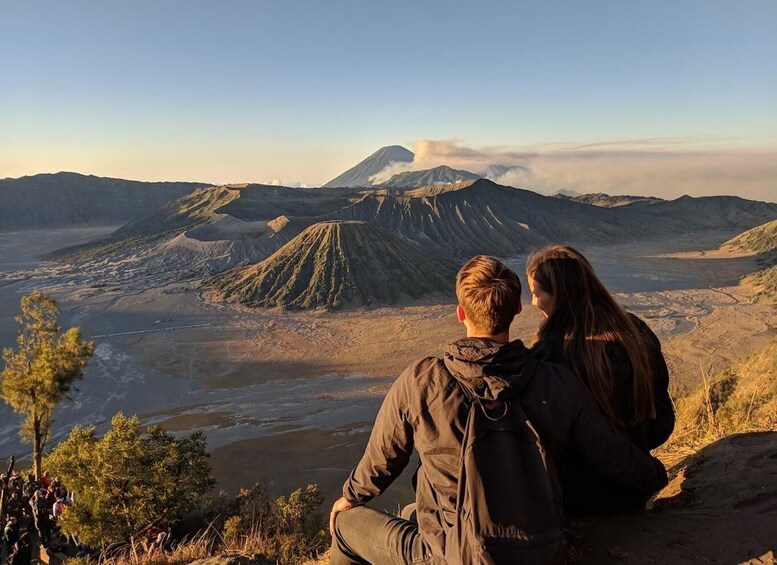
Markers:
{"x": 613, "y": 352}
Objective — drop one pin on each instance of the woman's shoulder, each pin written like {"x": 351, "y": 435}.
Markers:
{"x": 644, "y": 329}
{"x": 637, "y": 321}
{"x": 550, "y": 347}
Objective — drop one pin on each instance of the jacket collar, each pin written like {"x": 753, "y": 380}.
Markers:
{"x": 489, "y": 369}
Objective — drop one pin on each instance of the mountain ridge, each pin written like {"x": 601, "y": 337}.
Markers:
{"x": 604, "y": 200}
{"x": 437, "y": 175}
{"x": 72, "y": 199}
{"x": 454, "y": 221}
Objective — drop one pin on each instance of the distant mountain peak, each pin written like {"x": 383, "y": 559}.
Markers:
{"x": 437, "y": 175}
{"x": 361, "y": 173}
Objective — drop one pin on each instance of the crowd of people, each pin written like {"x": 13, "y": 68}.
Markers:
{"x": 29, "y": 511}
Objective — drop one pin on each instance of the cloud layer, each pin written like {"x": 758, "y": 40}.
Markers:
{"x": 665, "y": 167}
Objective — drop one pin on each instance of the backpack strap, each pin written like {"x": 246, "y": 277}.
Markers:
{"x": 518, "y": 407}
{"x": 475, "y": 400}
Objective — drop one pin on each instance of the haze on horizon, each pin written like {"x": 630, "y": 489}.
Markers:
{"x": 666, "y": 98}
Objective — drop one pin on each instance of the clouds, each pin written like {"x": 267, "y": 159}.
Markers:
{"x": 665, "y": 167}
{"x": 293, "y": 184}
{"x": 390, "y": 170}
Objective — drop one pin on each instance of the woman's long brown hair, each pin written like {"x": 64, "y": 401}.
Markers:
{"x": 588, "y": 317}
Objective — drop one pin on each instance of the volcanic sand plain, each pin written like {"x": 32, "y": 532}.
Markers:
{"x": 288, "y": 398}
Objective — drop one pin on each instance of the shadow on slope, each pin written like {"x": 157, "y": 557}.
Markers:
{"x": 719, "y": 507}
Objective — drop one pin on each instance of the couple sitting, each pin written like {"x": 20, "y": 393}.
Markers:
{"x": 591, "y": 394}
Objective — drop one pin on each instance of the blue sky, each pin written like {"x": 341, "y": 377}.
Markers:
{"x": 251, "y": 91}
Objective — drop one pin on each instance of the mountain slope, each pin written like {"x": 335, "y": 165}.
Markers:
{"x": 175, "y": 217}
{"x": 337, "y": 264}
{"x": 688, "y": 214}
{"x": 246, "y": 202}
{"x": 437, "y": 175}
{"x": 763, "y": 241}
{"x": 611, "y": 201}
{"x": 359, "y": 175}
{"x": 72, "y": 199}
{"x": 760, "y": 239}
{"x": 483, "y": 217}
{"x": 221, "y": 227}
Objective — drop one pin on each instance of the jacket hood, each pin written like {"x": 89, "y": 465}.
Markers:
{"x": 489, "y": 369}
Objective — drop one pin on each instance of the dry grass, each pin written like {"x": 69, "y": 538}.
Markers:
{"x": 210, "y": 543}
{"x": 199, "y": 546}
{"x": 741, "y": 399}
{"x": 765, "y": 281}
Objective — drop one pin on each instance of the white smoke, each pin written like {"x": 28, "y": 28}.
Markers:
{"x": 293, "y": 184}
{"x": 393, "y": 168}
{"x": 665, "y": 167}
{"x": 517, "y": 177}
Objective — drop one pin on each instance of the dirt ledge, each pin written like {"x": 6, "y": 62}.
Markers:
{"x": 719, "y": 507}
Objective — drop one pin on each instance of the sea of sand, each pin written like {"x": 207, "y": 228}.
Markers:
{"x": 289, "y": 398}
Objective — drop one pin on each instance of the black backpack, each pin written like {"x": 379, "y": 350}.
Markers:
{"x": 509, "y": 507}
{"x": 42, "y": 506}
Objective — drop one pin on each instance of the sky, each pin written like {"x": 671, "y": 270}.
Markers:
{"x": 664, "y": 97}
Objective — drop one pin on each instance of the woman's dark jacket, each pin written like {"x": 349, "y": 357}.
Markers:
{"x": 584, "y": 493}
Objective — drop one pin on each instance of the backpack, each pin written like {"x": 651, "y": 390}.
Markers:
{"x": 41, "y": 506}
{"x": 508, "y": 507}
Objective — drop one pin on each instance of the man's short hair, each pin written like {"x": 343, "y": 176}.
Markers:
{"x": 489, "y": 292}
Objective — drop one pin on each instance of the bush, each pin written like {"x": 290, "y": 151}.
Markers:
{"x": 287, "y": 531}
{"x": 128, "y": 480}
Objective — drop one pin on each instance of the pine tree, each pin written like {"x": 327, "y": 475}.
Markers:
{"x": 40, "y": 371}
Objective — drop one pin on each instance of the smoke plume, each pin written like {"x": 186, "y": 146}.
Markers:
{"x": 664, "y": 167}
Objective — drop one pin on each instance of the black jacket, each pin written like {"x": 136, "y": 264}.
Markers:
{"x": 584, "y": 491}
{"x": 425, "y": 409}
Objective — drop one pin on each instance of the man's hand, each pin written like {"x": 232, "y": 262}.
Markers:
{"x": 340, "y": 505}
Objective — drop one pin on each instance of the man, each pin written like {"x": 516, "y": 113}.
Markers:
{"x": 21, "y": 554}
{"x": 426, "y": 409}
{"x": 40, "y": 506}
{"x": 11, "y": 533}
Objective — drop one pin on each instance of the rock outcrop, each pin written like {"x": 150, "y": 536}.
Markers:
{"x": 719, "y": 507}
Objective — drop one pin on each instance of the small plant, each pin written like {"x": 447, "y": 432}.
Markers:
{"x": 287, "y": 531}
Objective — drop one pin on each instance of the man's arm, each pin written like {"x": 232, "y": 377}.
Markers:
{"x": 610, "y": 453}
{"x": 388, "y": 450}
{"x": 389, "y": 447}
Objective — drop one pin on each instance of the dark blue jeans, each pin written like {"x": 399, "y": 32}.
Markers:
{"x": 363, "y": 535}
